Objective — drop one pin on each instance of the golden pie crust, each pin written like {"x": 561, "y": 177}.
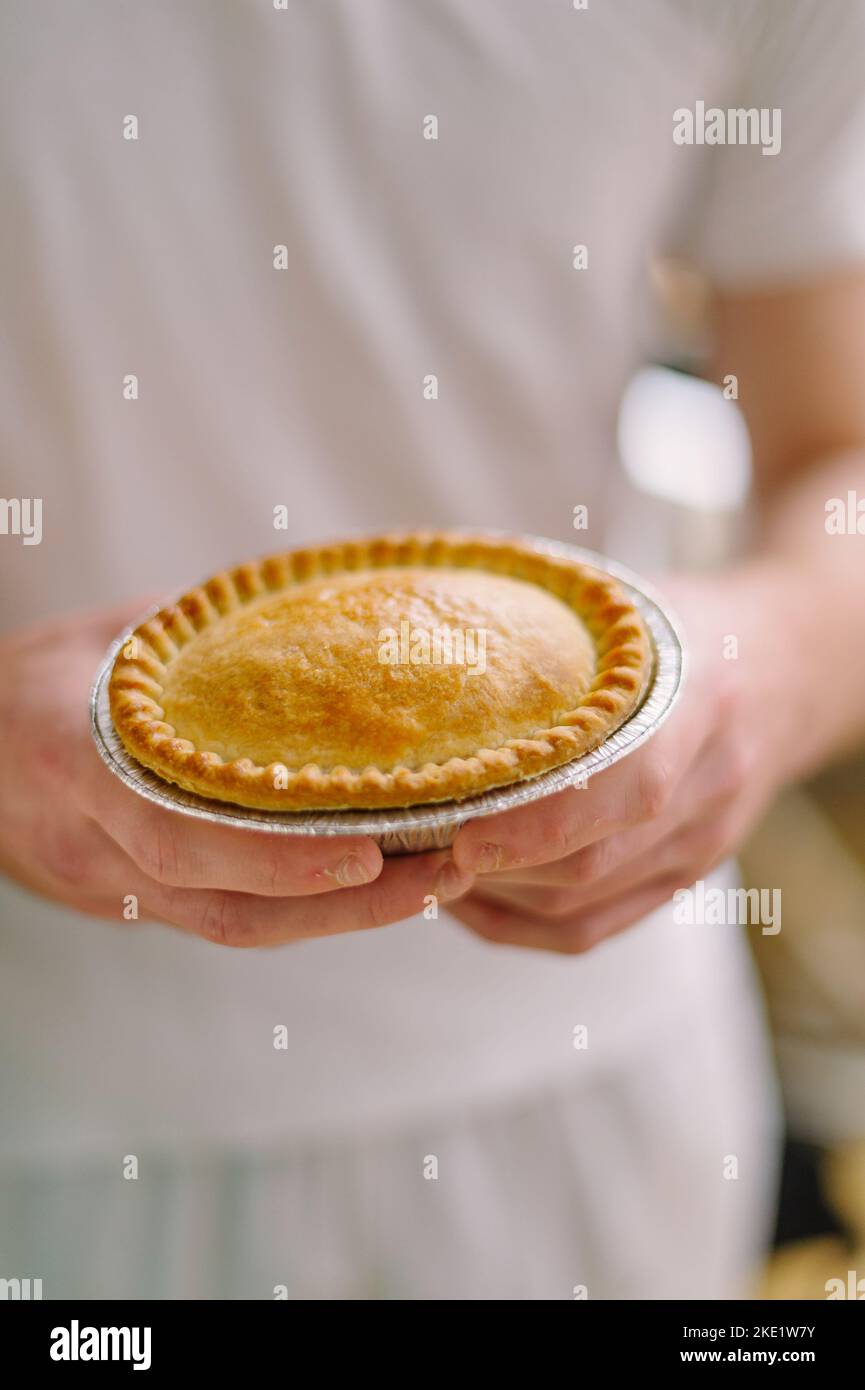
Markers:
{"x": 394, "y": 671}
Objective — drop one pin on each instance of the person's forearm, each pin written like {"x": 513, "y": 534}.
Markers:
{"x": 829, "y": 570}
{"x": 796, "y": 611}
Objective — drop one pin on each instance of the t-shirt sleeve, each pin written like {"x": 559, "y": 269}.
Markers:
{"x": 764, "y": 219}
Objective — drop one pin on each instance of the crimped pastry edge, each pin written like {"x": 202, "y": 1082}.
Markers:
{"x": 624, "y": 669}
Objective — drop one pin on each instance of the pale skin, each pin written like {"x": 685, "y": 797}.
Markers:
{"x": 562, "y": 874}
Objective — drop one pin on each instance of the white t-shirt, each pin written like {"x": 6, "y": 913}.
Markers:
{"x": 406, "y": 257}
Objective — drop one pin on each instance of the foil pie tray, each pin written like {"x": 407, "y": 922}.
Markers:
{"x": 412, "y": 829}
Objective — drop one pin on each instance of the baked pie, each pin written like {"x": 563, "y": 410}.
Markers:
{"x": 392, "y": 671}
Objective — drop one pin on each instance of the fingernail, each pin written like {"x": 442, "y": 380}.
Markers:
{"x": 490, "y": 858}
{"x": 350, "y": 872}
{"x": 450, "y": 882}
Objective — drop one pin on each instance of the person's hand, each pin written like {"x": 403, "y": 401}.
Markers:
{"x": 565, "y": 872}
{"x": 71, "y": 831}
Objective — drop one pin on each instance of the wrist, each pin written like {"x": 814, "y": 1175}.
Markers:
{"x": 754, "y": 625}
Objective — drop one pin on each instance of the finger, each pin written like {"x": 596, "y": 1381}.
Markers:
{"x": 636, "y": 789}
{"x": 694, "y": 842}
{"x": 716, "y": 776}
{"x": 181, "y": 852}
{"x": 83, "y": 867}
{"x": 404, "y": 888}
{"x": 503, "y": 926}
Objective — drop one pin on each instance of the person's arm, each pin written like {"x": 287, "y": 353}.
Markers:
{"x": 582, "y": 865}
{"x": 800, "y": 359}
